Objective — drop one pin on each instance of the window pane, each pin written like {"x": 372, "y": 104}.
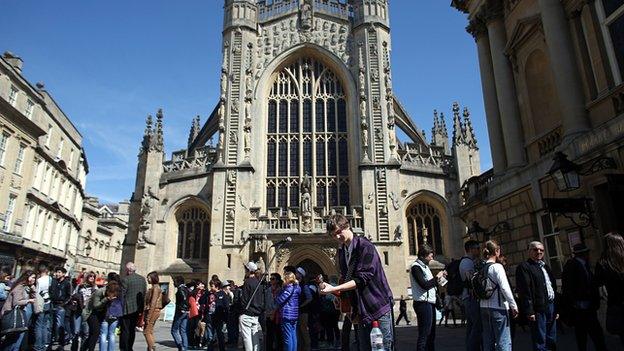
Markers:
{"x": 411, "y": 237}
{"x": 282, "y": 197}
{"x": 437, "y": 236}
{"x": 307, "y": 157}
{"x": 320, "y": 195}
{"x": 344, "y": 195}
{"x": 343, "y": 154}
{"x": 320, "y": 116}
{"x": 283, "y": 158}
{"x": 320, "y": 157}
{"x": 617, "y": 38}
{"x": 283, "y": 116}
{"x": 294, "y": 195}
{"x": 611, "y": 5}
{"x": 180, "y": 239}
{"x": 272, "y": 117}
{"x": 546, "y": 224}
{"x": 307, "y": 116}
{"x": 206, "y": 239}
{"x": 294, "y": 158}
{"x": 331, "y": 115}
{"x": 294, "y": 116}
{"x": 270, "y": 196}
{"x": 331, "y": 158}
{"x": 271, "y": 159}
{"x": 333, "y": 195}
{"x": 342, "y": 116}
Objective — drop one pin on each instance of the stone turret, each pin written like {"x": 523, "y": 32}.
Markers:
{"x": 371, "y": 11}
{"x": 144, "y": 204}
{"x": 439, "y": 134}
{"x": 464, "y": 149}
{"x": 240, "y": 13}
{"x": 194, "y": 132}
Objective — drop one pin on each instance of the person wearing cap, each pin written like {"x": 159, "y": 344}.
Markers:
{"x": 365, "y": 283}
{"x": 536, "y": 287}
{"x": 252, "y": 307}
{"x": 581, "y": 295}
{"x": 303, "y": 333}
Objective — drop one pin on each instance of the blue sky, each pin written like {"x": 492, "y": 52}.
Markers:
{"x": 110, "y": 63}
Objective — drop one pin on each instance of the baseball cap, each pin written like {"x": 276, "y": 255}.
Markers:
{"x": 301, "y": 271}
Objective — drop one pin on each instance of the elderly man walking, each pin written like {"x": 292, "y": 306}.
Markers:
{"x": 536, "y": 288}
{"x": 134, "y": 287}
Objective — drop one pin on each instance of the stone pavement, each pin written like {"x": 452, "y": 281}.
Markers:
{"x": 447, "y": 339}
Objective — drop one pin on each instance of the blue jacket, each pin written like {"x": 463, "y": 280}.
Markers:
{"x": 288, "y": 302}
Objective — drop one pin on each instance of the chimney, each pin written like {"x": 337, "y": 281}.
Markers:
{"x": 13, "y": 60}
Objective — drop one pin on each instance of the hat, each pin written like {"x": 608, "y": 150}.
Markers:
{"x": 225, "y": 283}
{"x": 579, "y": 249}
{"x": 251, "y": 266}
{"x": 301, "y": 272}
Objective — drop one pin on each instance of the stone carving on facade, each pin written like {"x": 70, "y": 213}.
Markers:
{"x": 282, "y": 255}
{"x": 231, "y": 214}
{"x": 147, "y": 206}
{"x": 230, "y": 177}
{"x": 395, "y": 200}
{"x": 306, "y": 190}
{"x": 331, "y": 253}
{"x": 370, "y": 200}
{"x": 398, "y": 233}
{"x": 247, "y": 129}
{"x": 307, "y": 15}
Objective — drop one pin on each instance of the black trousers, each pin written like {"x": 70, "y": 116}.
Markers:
{"x": 93, "y": 322}
{"x": 127, "y": 328}
{"x": 425, "y": 315}
{"x": 402, "y": 314}
{"x": 345, "y": 336}
{"x": 586, "y": 323}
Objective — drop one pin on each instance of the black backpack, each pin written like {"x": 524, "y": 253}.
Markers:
{"x": 479, "y": 283}
{"x": 456, "y": 285}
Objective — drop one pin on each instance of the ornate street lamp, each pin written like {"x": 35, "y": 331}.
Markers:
{"x": 567, "y": 174}
{"x": 88, "y": 250}
{"x": 477, "y": 230}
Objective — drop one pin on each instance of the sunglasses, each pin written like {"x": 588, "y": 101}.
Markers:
{"x": 538, "y": 250}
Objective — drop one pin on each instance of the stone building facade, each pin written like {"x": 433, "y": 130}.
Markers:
{"x": 104, "y": 228}
{"x": 43, "y": 171}
{"x": 307, "y": 125}
{"x": 552, "y": 77}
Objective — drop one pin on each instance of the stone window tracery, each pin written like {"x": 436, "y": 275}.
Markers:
{"x": 193, "y": 233}
{"x": 307, "y": 135}
{"x": 424, "y": 225}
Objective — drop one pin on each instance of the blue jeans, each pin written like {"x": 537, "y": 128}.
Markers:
{"x": 107, "y": 334}
{"x": 426, "y": 317}
{"x": 544, "y": 329}
{"x": 43, "y": 330}
{"x": 472, "y": 311}
{"x": 289, "y": 332}
{"x": 178, "y": 330}
{"x": 364, "y": 329}
{"x": 61, "y": 327}
{"x": 496, "y": 332}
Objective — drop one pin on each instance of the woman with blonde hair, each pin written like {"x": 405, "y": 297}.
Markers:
{"x": 288, "y": 303}
{"x": 494, "y": 308}
{"x": 153, "y": 304}
{"x": 610, "y": 273}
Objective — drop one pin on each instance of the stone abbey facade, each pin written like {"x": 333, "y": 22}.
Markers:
{"x": 307, "y": 125}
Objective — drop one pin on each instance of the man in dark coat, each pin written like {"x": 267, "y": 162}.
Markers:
{"x": 537, "y": 288}
{"x": 133, "y": 286}
{"x": 581, "y": 295}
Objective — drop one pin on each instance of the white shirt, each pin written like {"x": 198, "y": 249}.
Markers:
{"x": 549, "y": 287}
{"x": 43, "y": 285}
{"x": 466, "y": 269}
{"x": 502, "y": 298}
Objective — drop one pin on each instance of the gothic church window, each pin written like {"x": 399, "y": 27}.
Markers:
{"x": 611, "y": 15}
{"x": 193, "y": 233}
{"x": 424, "y": 226}
{"x": 307, "y": 135}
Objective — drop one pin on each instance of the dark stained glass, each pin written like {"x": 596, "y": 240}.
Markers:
{"x": 342, "y": 116}
{"x": 437, "y": 236}
{"x": 333, "y": 195}
{"x": 331, "y": 157}
{"x": 294, "y": 116}
{"x": 611, "y": 5}
{"x": 307, "y": 157}
{"x": 282, "y": 197}
{"x": 320, "y": 195}
{"x": 344, "y": 194}
{"x": 270, "y": 200}
{"x": 181, "y": 240}
{"x": 320, "y": 158}
{"x": 294, "y": 195}
{"x": 343, "y": 157}
{"x": 412, "y": 237}
{"x": 307, "y": 116}
{"x": 320, "y": 116}
{"x": 283, "y": 116}
{"x": 197, "y": 240}
{"x": 294, "y": 158}
{"x": 283, "y": 158}
{"x": 271, "y": 155}
{"x": 331, "y": 115}
{"x": 206, "y": 239}
{"x": 272, "y": 116}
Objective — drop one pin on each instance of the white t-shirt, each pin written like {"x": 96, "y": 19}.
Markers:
{"x": 43, "y": 285}
{"x": 501, "y": 299}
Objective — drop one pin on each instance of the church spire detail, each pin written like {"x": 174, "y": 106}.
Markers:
{"x": 195, "y": 128}
{"x": 469, "y": 134}
{"x": 159, "y": 142}
{"x": 458, "y": 129}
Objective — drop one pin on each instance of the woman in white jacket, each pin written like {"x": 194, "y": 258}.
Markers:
{"x": 495, "y": 310}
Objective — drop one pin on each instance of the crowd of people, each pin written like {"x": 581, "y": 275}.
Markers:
{"x": 295, "y": 311}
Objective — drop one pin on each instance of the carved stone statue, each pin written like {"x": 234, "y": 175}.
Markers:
{"x": 307, "y": 15}
{"x": 224, "y": 83}
{"x": 247, "y": 137}
{"x": 306, "y": 188}
{"x": 146, "y": 211}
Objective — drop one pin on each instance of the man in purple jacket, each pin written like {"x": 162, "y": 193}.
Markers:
{"x": 365, "y": 284}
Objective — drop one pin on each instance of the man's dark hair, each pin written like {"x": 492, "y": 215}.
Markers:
{"x": 112, "y": 276}
{"x": 424, "y": 250}
{"x": 471, "y": 244}
{"x": 337, "y": 221}
{"x": 60, "y": 269}
{"x": 179, "y": 280}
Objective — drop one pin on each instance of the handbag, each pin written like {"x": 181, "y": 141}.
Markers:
{"x": 615, "y": 319}
{"x": 13, "y": 321}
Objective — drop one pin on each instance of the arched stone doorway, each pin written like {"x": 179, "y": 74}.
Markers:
{"x": 312, "y": 269}
{"x": 315, "y": 260}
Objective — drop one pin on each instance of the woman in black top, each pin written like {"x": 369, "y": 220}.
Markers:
{"x": 610, "y": 273}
